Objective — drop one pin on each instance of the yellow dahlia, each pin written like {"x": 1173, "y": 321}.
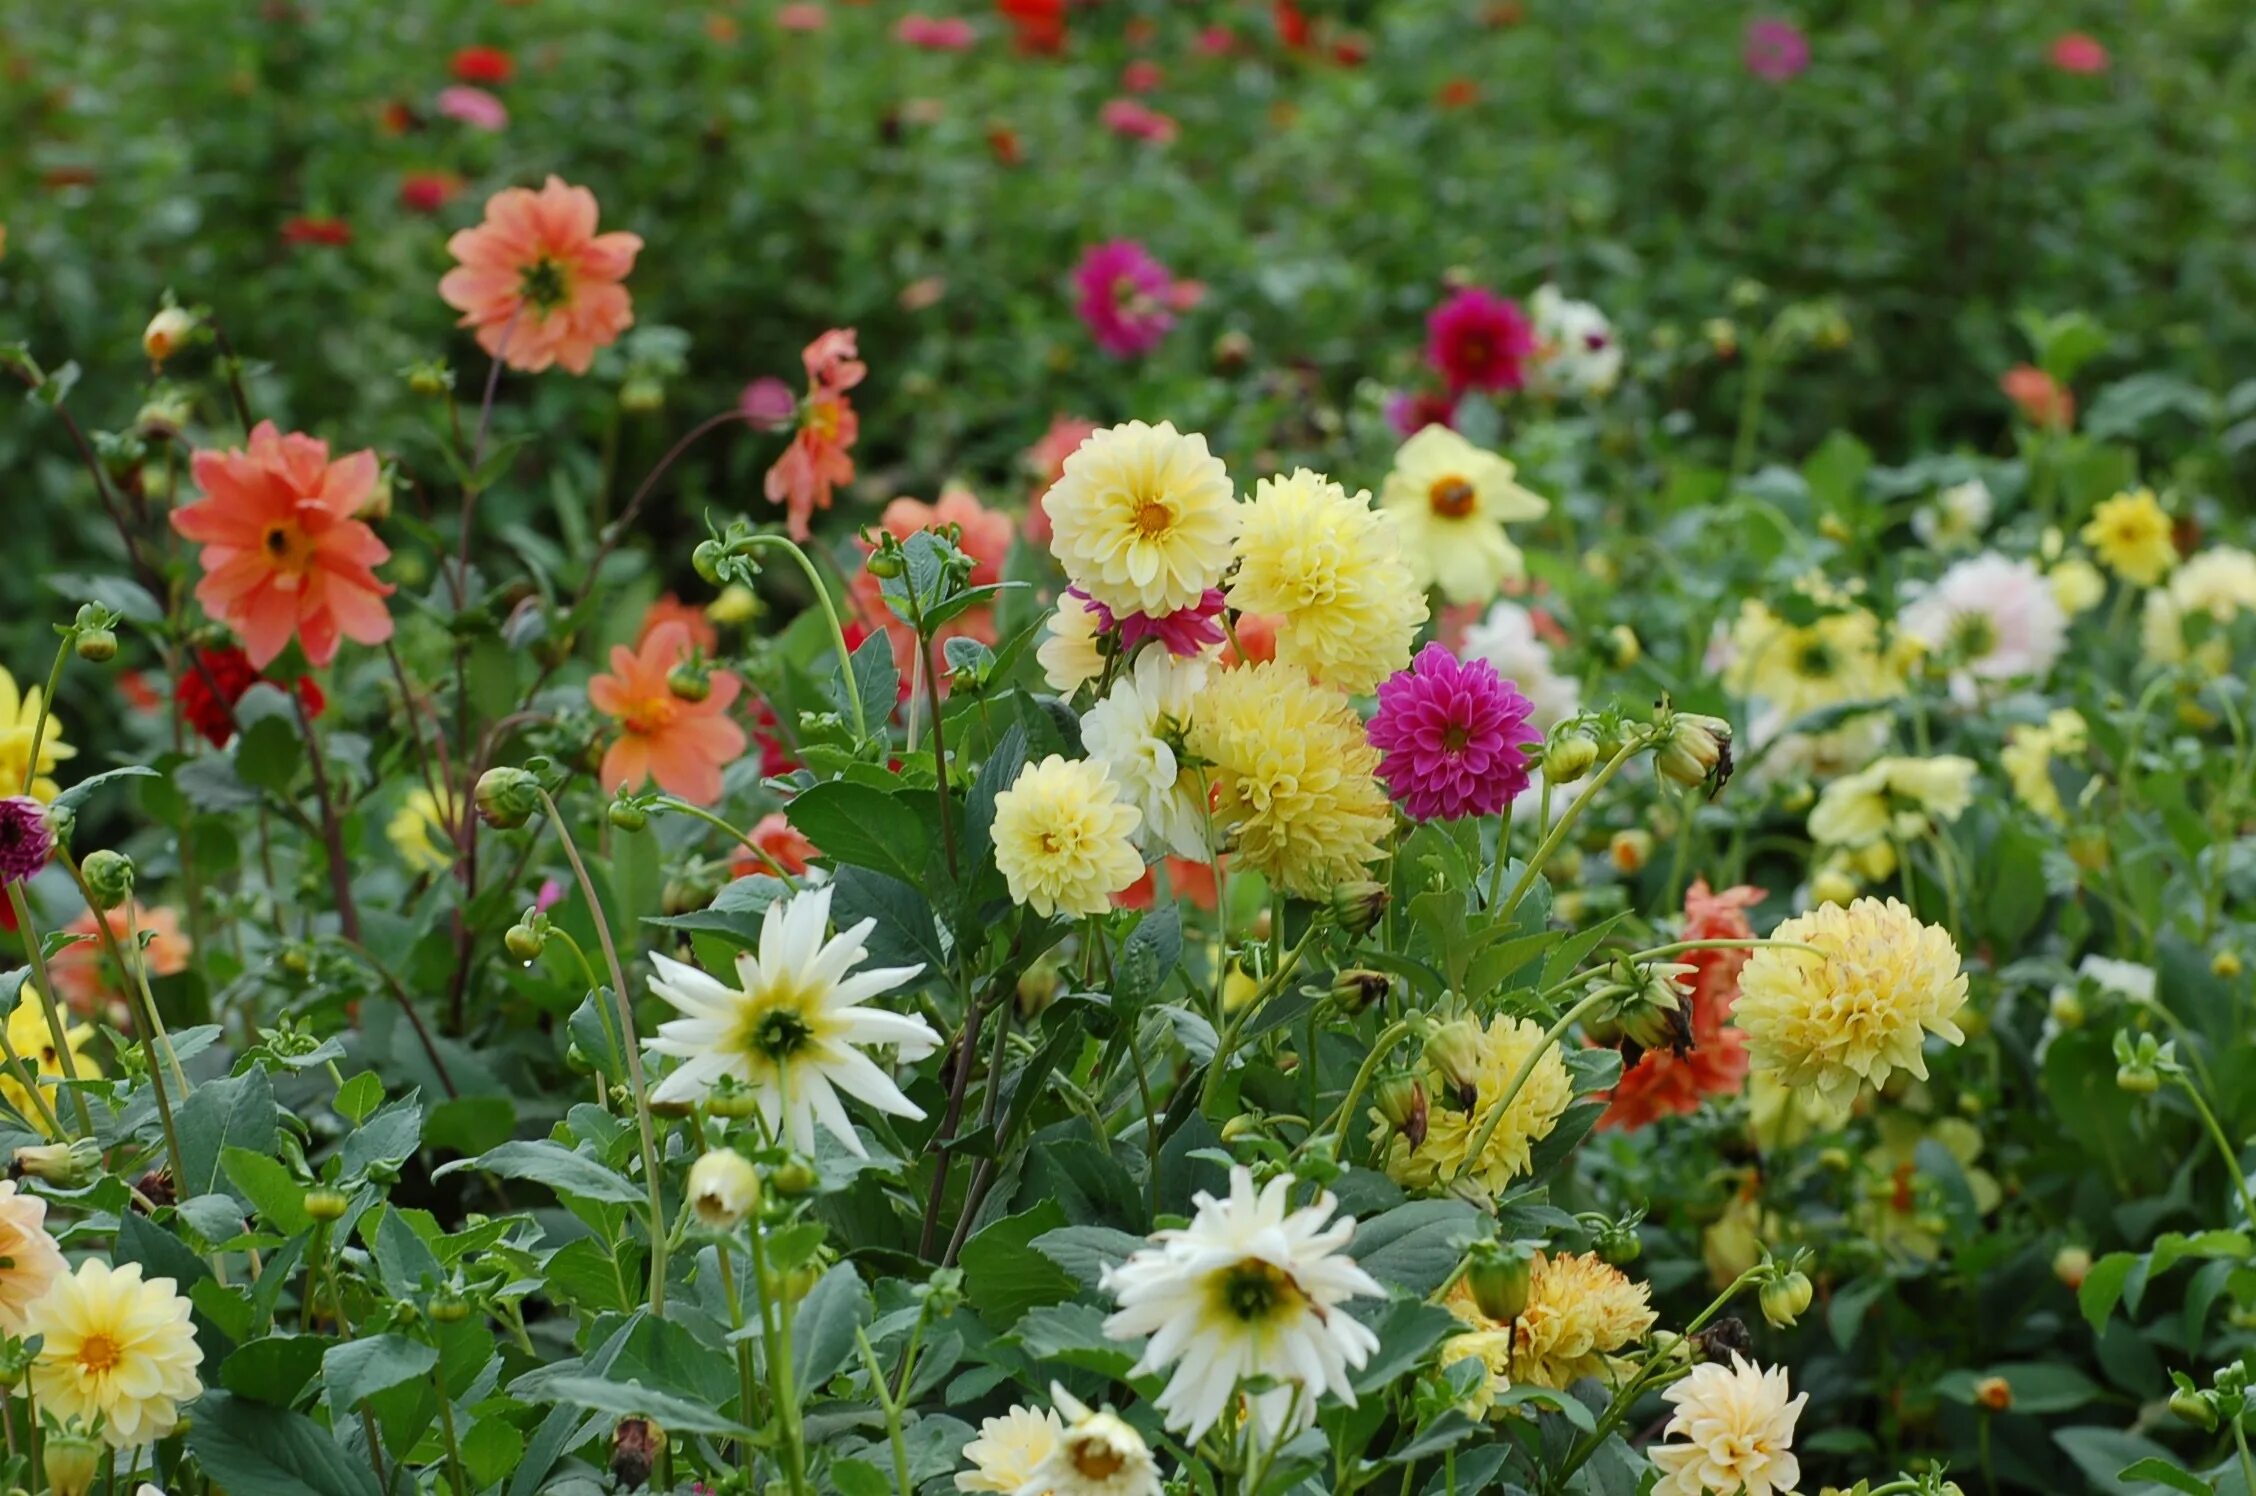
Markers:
{"x": 2131, "y": 533}
{"x": 33, "y": 1040}
{"x": 1329, "y": 569}
{"x": 116, "y": 1346}
{"x": 1580, "y": 1313}
{"x": 1737, "y": 1427}
{"x": 1898, "y": 797}
{"x": 419, "y": 832}
{"x": 1294, "y": 778}
{"x": 1829, "y": 1024}
{"x": 1450, "y": 501}
{"x": 19, "y": 717}
{"x": 1068, "y": 655}
{"x": 2219, "y": 585}
{"x": 2077, "y": 585}
{"x": 1799, "y": 668}
{"x": 1468, "y": 1069}
{"x": 1009, "y": 1450}
{"x": 1142, "y": 518}
{"x": 30, "y": 1262}
{"x": 1064, "y": 839}
{"x": 2027, "y": 759}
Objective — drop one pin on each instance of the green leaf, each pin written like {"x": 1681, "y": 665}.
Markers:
{"x": 359, "y": 1096}
{"x": 1074, "y": 1335}
{"x": 997, "y": 774}
{"x": 1407, "y": 1330}
{"x": 877, "y": 682}
{"x": 1415, "y": 1247}
{"x": 128, "y": 599}
{"x": 2103, "y": 1287}
{"x": 236, "y": 1111}
{"x": 359, "y": 1369}
{"x": 2166, "y": 1472}
{"x": 1006, "y": 1274}
{"x": 251, "y": 1449}
{"x": 591, "y": 1394}
{"x": 859, "y": 1477}
{"x": 1086, "y": 1251}
{"x": 277, "y": 1369}
{"x": 266, "y": 1183}
{"x": 79, "y": 793}
{"x": 907, "y": 933}
{"x": 545, "y": 1162}
{"x": 268, "y": 753}
{"x": 822, "y": 1332}
{"x": 2104, "y": 1453}
{"x": 864, "y": 827}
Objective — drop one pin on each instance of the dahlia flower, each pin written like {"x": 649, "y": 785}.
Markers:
{"x": 1126, "y": 298}
{"x": 2131, "y": 533}
{"x": 1893, "y": 798}
{"x": 1736, "y": 1427}
{"x": 1009, "y": 1450}
{"x": 1798, "y": 668}
{"x": 1329, "y": 569}
{"x": 283, "y": 553}
{"x": 536, "y": 280}
{"x": 1135, "y": 734}
{"x": 816, "y": 462}
{"x": 1989, "y": 619}
{"x": 1775, "y": 51}
{"x": 682, "y": 744}
{"x": 27, "y": 838}
{"x": 1576, "y": 352}
{"x": 2218, "y": 585}
{"x": 1450, "y": 502}
{"x": 794, "y": 1028}
{"x": 2028, "y": 754}
{"x": 1454, "y": 736}
{"x": 19, "y": 721}
{"x": 33, "y": 1038}
{"x": 30, "y": 1262}
{"x": 1142, "y": 518}
{"x": 1250, "y": 1288}
{"x": 1478, "y": 340}
{"x": 1069, "y": 655}
{"x": 216, "y": 680}
{"x": 1580, "y": 1313}
{"x": 1063, "y": 837}
{"x": 1956, "y": 518}
{"x": 1664, "y": 1084}
{"x": 1468, "y": 1070}
{"x": 1096, "y": 1454}
{"x": 116, "y": 1347}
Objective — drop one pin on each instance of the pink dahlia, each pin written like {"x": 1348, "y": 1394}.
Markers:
{"x": 1775, "y": 50}
{"x": 1453, "y": 736}
{"x": 2079, "y": 52}
{"x": 1188, "y": 632}
{"x": 1126, "y": 297}
{"x": 1479, "y": 340}
{"x": 26, "y": 838}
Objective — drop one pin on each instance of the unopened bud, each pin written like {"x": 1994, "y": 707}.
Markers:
{"x": 1622, "y": 643}
{"x": 506, "y": 798}
{"x": 1785, "y": 1299}
{"x": 1454, "y": 1051}
{"x": 1359, "y": 905}
{"x": 449, "y": 1309}
{"x": 71, "y": 1461}
{"x": 2138, "y": 1078}
{"x": 626, "y": 815}
{"x": 723, "y": 1189}
{"x": 109, "y": 877}
{"x": 1568, "y": 758}
{"x": 707, "y": 560}
{"x": 2195, "y": 1408}
{"x": 326, "y": 1204}
{"x": 2071, "y": 1265}
{"x": 1038, "y": 987}
{"x": 95, "y": 646}
{"x": 66, "y": 1165}
{"x": 640, "y": 396}
{"x": 1630, "y": 850}
{"x": 524, "y": 942}
{"x": 1401, "y": 1099}
{"x": 794, "y": 1177}
{"x": 1696, "y": 751}
{"x": 884, "y": 564}
{"x": 167, "y": 333}
{"x": 691, "y": 680}
{"x": 431, "y": 378}
{"x": 1618, "y": 1244}
{"x": 1994, "y": 1394}
{"x": 1499, "y": 1275}
{"x": 635, "y": 1445}
{"x": 2226, "y": 964}
{"x": 1358, "y": 988}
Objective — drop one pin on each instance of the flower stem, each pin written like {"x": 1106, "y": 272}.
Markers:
{"x": 633, "y": 1058}
{"x": 136, "y": 975}
{"x": 837, "y": 630}
{"x": 1558, "y": 833}
{"x": 892, "y": 1407}
{"x": 775, "y": 1338}
{"x": 2224, "y": 1147}
{"x": 46, "y": 710}
{"x": 58, "y": 1029}
{"x": 1393, "y": 1034}
{"x": 1551, "y": 1036}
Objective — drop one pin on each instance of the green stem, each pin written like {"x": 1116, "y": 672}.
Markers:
{"x": 1558, "y": 833}
{"x": 46, "y": 710}
{"x": 830, "y": 615}
{"x": 136, "y": 974}
{"x": 1393, "y": 1034}
{"x": 668, "y": 802}
{"x": 633, "y": 1056}
{"x": 455, "y": 1475}
{"x": 1551, "y": 1036}
{"x": 57, "y": 1028}
{"x": 747, "y": 1385}
{"x": 2224, "y": 1148}
{"x": 775, "y": 1335}
{"x": 892, "y": 1407}
{"x": 1277, "y": 979}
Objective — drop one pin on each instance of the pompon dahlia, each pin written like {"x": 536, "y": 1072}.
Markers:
{"x": 1294, "y": 780}
{"x": 1063, "y": 837}
{"x": 1580, "y": 1313}
{"x": 1142, "y": 518}
{"x": 1662, "y": 1084}
{"x": 1250, "y": 1288}
{"x": 1454, "y": 736}
{"x": 1828, "y": 1025}
{"x": 1737, "y": 1427}
{"x": 1329, "y": 568}
{"x": 1468, "y": 1068}
{"x": 26, "y": 838}
{"x": 536, "y": 280}
{"x": 1478, "y": 340}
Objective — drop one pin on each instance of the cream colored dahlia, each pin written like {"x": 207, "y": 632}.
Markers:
{"x": 1064, "y": 838}
{"x": 1068, "y": 653}
{"x": 1142, "y": 518}
{"x": 30, "y": 1262}
{"x": 1829, "y": 1024}
{"x": 1137, "y": 733}
{"x": 1450, "y": 501}
{"x": 1098, "y": 1454}
{"x": 1009, "y": 1450}
{"x": 116, "y": 1346}
{"x": 1330, "y": 570}
{"x": 1901, "y": 798}
{"x": 1732, "y": 1433}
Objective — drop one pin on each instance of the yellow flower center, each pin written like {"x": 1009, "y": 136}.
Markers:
{"x": 1153, "y": 517}
{"x": 650, "y": 714}
{"x": 1451, "y": 498}
{"x": 98, "y": 1353}
{"x": 288, "y": 547}
{"x": 774, "y": 1025}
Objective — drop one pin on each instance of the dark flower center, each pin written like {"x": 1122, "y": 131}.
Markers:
{"x": 542, "y": 283}
{"x": 1255, "y": 1290}
{"x": 781, "y": 1034}
{"x": 1451, "y": 498}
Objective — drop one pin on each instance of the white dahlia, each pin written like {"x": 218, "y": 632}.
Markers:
{"x": 1137, "y": 734}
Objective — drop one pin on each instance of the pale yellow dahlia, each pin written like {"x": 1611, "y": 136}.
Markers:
{"x": 1831, "y": 1024}
{"x": 1329, "y": 569}
{"x": 1450, "y": 501}
{"x": 1798, "y": 668}
{"x": 30, "y": 1262}
{"x": 1142, "y": 518}
{"x": 1732, "y": 1433}
{"x": 117, "y": 1347}
{"x": 1294, "y": 778}
{"x": 1064, "y": 838}
{"x": 2220, "y": 585}
{"x": 33, "y": 1039}
{"x": 1892, "y": 797}
{"x": 1468, "y": 1070}
{"x": 2077, "y": 585}
{"x": 1580, "y": 1313}
{"x": 420, "y": 831}
{"x": 1068, "y": 654}
{"x": 2131, "y": 533}
{"x": 2027, "y": 759}
{"x": 1009, "y": 1450}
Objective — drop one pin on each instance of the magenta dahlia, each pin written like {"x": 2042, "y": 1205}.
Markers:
{"x": 1453, "y": 737}
{"x": 26, "y": 838}
{"x": 1127, "y": 298}
{"x": 1479, "y": 340}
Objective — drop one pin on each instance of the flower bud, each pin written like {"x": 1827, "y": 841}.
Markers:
{"x": 707, "y": 560}
{"x": 71, "y": 1461}
{"x": 641, "y": 395}
{"x": 1832, "y": 885}
{"x": 736, "y": 604}
{"x": 626, "y": 815}
{"x": 524, "y": 942}
{"x": 794, "y": 1177}
{"x": 2071, "y": 1265}
{"x": 733, "y": 1102}
{"x": 1994, "y": 1394}
{"x": 109, "y": 877}
{"x": 1696, "y": 751}
{"x": 2067, "y": 1008}
{"x": 1038, "y": 987}
{"x": 430, "y": 378}
{"x": 883, "y": 564}
{"x": 723, "y": 1189}
{"x": 1499, "y": 1274}
{"x": 95, "y": 646}
{"x": 167, "y": 333}
{"x": 690, "y": 681}
{"x": 65, "y": 1165}
{"x": 1618, "y": 1244}
{"x": 1630, "y": 850}
{"x": 2137, "y": 1078}
{"x": 1401, "y": 1099}
{"x": 1568, "y": 758}
{"x": 1454, "y": 1051}
{"x": 1359, "y": 905}
{"x": 1622, "y": 644}
{"x": 635, "y": 1445}
{"x": 2226, "y": 964}
{"x": 1785, "y": 1299}
{"x": 506, "y": 798}
{"x": 326, "y": 1204}
{"x": 2195, "y": 1408}
{"x": 449, "y": 1308}
{"x": 1358, "y": 988}
{"x": 164, "y": 414}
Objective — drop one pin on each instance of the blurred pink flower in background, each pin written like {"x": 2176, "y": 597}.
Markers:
{"x": 1137, "y": 121}
{"x": 1775, "y": 50}
{"x": 934, "y": 34}
{"x": 1478, "y": 340}
{"x": 767, "y": 402}
{"x": 1412, "y": 411}
{"x": 473, "y": 107}
{"x": 1141, "y": 76}
{"x": 2077, "y": 52}
{"x": 805, "y": 16}
{"x": 1127, "y": 298}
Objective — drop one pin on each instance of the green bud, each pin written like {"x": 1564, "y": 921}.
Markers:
{"x": 1357, "y": 989}
{"x": 1695, "y": 751}
{"x": 690, "y": 681}
{"x": 1786, "y": 1299}
{"x": 1401, "y": 1099}
{"x": 506, "y": 798}
{"x": 96, "y": 646}
{"x": 884, "y": 564}
{"x": 794, "y": 1177}
{"x": 524, "y": 942}
{"x": 1359, "y": 905}
{"x": 2138, "y": 1079}
{"x": 2195, "y": 1408}
{"x": 109, "y": 877}
{"x": 707, "y": 559}
{"x": 1568, "y": 758}
{"x": 1499, "y": 1274}
{"x": 67, "y": 1165}
{"x": 628, "y": 816}
{"x": 71, "y": 1460}
{"x": 324, "y": 1204}
{"x": 641, "y": 396}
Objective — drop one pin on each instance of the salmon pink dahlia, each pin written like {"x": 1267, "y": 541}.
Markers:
{"x": 816, "y": 462}
{"x": 1479, "y": 340}
{"x": 536, "y": 280}
{"x": 1454, "y": 737}
{"x": 1663, "y": 1084}
{"x": 680, "y": 743}
{"x": 283, "y": 553}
